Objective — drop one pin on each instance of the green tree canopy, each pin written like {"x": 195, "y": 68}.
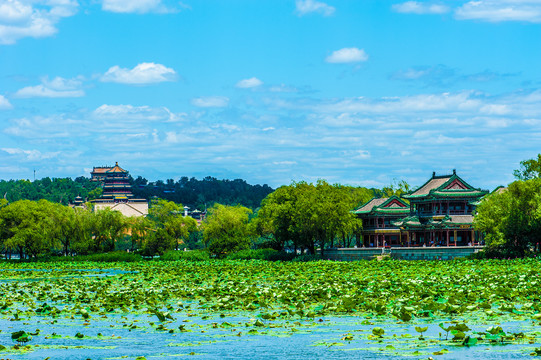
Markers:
{"x": 529, "y": 169}
{"x": 226, "y": 230}
{"x": 511, "y": 219}
{"x": 307, "y": 215}
{"x": 26, "y": 227}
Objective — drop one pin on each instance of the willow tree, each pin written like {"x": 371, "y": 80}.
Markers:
{"x": 226, "y": 229}
{"x": 26, "y": 227}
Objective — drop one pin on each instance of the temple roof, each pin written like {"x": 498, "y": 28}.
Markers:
{"x": 390, "y": 205}
{"x": 116, "y": 169}
{"x": 101, "y": 169}
{"x": 445, "y": 186}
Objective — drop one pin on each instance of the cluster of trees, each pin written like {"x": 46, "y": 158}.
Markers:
{"x": 36, "y": 228}
{"x": 300, "y": 216}
{"x": 203, "y": 193}
{"x": 59, "y": 190}
{"x": 510, "y": 217}
{"x": 307, "y": 216}
{"x": 297, "y": 216}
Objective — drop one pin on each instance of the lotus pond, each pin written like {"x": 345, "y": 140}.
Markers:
{"x": 482, "y": 309}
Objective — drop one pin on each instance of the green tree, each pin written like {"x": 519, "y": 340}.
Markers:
{"x": 141, "y": 228}
{"x": 226, "y": 230}
{"x": 396, "y": 187}
{"x": 274, "y": 219}
{"x": 161, "y": 211}
{"x": 511, "y": 219}
{"x": 171, "y": 228}
{"x": 179, "y": 229}
{"x": 26, "y": 227}
{"x": 529, "y": 169}
{"x": 71, "y": 227}
{"x": 107, "y": 227}
{"x": 306, "y": 215}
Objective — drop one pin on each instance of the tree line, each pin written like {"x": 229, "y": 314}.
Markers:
{"x": 58, "y": 190}
{"x": 197, "y": 194}
{"x": 300, "y": 216}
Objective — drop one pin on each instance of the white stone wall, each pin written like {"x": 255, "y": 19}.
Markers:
{"x": 134, "y": 209}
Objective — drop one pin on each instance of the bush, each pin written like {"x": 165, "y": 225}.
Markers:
{"x": 261, "y": 254}
{"x": 307, "y": 257}
{"x": 115, "y": 256}
{"x": 500, "y": 252}
{"x": 193, "y": 255}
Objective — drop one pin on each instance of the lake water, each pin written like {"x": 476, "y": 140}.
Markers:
{"x": 117, "y": 336}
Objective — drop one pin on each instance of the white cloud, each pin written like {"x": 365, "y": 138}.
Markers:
{"x": 130, "y": 112}
{"x": 28, "y": 18}
{"x": 462, "y": 101}
{"x": 416, "y": 7}
{"x": 304, "y": 7}
{"x": 249, "y": 83}
{"x": 4, "y": 103}
{"x": 55, "y": 88}
{"x": 135, "y": 6}
{"x": 144, "y": 73}
{"x": 286, "y": 163}
{"x": 501, "y": 10}
{"x": 347, "y": 55}
{"x": 30, "y": 154}
{"x": 283, "y": 88}
{"x": 211, "y": 101}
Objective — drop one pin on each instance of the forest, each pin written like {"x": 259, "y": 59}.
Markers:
{"x": 197, "y": 194}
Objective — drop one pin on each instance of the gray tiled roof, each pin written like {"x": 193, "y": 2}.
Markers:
{"x": 371, "y": 204}
{"x": 431, "y": 185}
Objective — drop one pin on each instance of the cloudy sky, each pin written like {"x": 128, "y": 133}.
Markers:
{"x": 355, "y": 92}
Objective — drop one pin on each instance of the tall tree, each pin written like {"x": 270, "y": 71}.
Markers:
{"x": 511, "y": 219}
{"x": 306, "y": 215}
{"x": 107, "y": 227}
{"x": 529, "y": 169}
{"x": 26, "y": 227}
{"x": 226, "y": 230}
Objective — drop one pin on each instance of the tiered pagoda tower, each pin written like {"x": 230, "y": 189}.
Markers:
{"x": 116, "y": 185}
{"x": 117, "y": 192}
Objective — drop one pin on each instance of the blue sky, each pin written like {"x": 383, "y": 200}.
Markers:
{"x": 354, "y": 92}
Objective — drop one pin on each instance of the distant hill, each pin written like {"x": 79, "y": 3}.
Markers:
{"x": 187, "y": 191}
{"x": 202, "y": 193}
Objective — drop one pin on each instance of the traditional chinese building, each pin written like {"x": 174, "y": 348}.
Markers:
{"x": 378, "y": 216}
{"x": 99, "y": 173}
{"x": 441, "y": 213}
{"x": 117, "y": 193}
